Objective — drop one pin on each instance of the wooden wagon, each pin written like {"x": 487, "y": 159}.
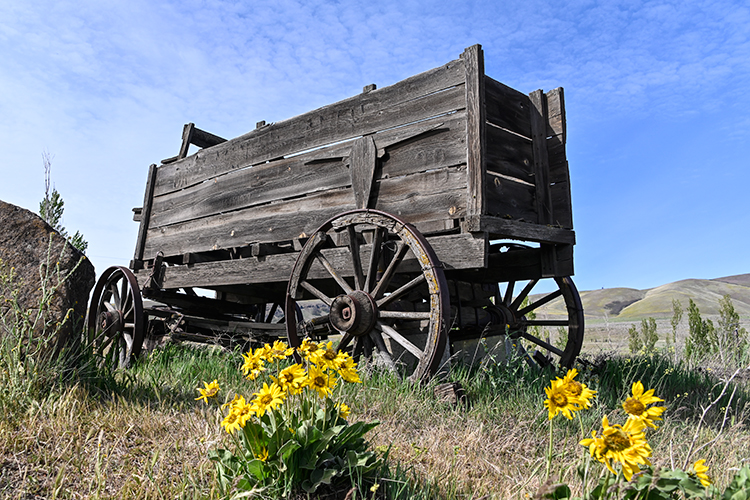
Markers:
{"x": 398, "y": 222}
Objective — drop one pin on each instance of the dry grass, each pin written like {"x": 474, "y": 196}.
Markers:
{"x": 72, "y": 446}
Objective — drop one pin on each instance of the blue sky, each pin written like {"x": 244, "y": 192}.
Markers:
{"x": 657, "y": 100}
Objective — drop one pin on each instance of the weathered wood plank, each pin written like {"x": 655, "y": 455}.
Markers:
{"x": 509, "y": 154}
{"x": 463, "y": 251}
{"x": 507, "y": 108}
{"x": 145, "y": 215}
{"x": 562, "y": 210}
{"x": 541, "y": 163}
{"x": 499, "y": 228}
{"x": 556, "y": 113}
{"x": 509, "y": 198}
{"x": 444, "y": 146}
{"x": 362, "y": 164}
{"x": 473, "y": 58}
{"x": 289, "y": 219}
{"x": 422, "y": 96}
{"x": 253, "y": 186}
{"x": 313, "y": 172}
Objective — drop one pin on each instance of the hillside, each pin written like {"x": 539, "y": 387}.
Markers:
{"x": 628, "y": 304}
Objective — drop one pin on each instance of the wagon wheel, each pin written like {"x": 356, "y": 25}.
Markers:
{"x": 115, "y": 319}
{"x": 516, "y": 315}
{"x": 382, "y": 288}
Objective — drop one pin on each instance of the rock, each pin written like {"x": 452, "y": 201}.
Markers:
{"x": 32, "y": 249}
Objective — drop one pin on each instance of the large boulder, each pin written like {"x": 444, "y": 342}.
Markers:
{"x": 42, "y": 262}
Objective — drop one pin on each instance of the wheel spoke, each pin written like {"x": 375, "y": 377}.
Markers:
{"x": 385, "y": 355}
{"x": 372, "y": 268}
{"x": 400, "y": 291}
{"x": 109, "y": 307}
{"x": 385, "y": 280}
{"x": 346, "y": 339}
{"x": 124, "y": 293}
{"x": 509, "y": 293}
{"x": 317, "y": 293}
{"x": 356, "y": 259}
{"x": 539, "y": 303}
{"x": 342, "y": 283}
{"x": 413, "y": 315}
{"x": 541, "y": 343}
{"x": 115, "y": 294}
{"x": 524, "y": 293}
{"x": 399, "y": 339}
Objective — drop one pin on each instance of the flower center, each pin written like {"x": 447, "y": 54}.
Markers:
{"x": 559, "y": 399}
{"x": 574, "y": 388}
{"x": 319, "y": 382}
{"x": 266, "y": 399}
{"x": 634, "y": 406}
{"x": 329, "y": 355}
{"x": 617, "y": 441}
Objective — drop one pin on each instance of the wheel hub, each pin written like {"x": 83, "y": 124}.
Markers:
{"x": 110, "y": 320}
{"x": 354, "y": 313}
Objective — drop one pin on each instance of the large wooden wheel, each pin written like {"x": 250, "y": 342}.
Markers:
{"x": 520, "y": 306}
{"x": 115, "y": 320}
{"x": 381, "y": 288}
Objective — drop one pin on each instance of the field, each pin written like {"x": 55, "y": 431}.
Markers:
{"x": 73, "y": 430}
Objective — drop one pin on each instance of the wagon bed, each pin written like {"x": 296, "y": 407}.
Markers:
{"x": 458, "y": 157}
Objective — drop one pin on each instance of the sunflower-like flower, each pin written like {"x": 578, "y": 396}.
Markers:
{"x": 209, "y": 391}
{"x": 559, "y": 400}
{"x": 348, "y": 370}
{"x": 344, "y": 410}
{"x": 231, "y": 422}
{"x": 262, "y": 454}
{"x": 700, "y": 469}
{"x": 279, "y": 350}
{"x": 242, "y": 410}
{"x": 625, "y": 444}
{"x": 308, "y": 348}
{"x": 292, "y": 379}
{"x": 579, "y": 391}
{"x": 268, "y": 398}
{"x": 253, "y": 364}
{"x": 327, "y": 358}
{"x": 320, "y": 381}
{"x": 637, "y": 408}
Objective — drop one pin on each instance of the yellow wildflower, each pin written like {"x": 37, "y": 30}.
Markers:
{"x": 344, "y": 410}
{"x": 637, "y": 406}
{"x": 209, "y": 391}
{"x": 279, "y": 350}
{"x": 559, "y": 400}
{"x": 579, "y": 391}
{"x": 308, "y": 348}
{"x": 700, "y": 469}
{"x": 320, "y": 381}
{"x": 268, "y": 398}
{"x": 253, "y": 365}
{"x": 348, "y": 370}
{"x": 231, "y": 422}
{"x": 625, "y": 444}
{"x": 292, "y": 379}
{"x": 262, "y": 454}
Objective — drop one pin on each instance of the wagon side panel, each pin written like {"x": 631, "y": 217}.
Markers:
{"x": 401, "y": 148}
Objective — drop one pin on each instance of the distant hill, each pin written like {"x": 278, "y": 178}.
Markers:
{"x": 628, "y": 304}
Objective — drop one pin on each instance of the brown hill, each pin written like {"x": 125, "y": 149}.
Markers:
{"x": 628, "y": 304}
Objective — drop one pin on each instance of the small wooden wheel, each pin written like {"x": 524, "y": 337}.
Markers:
{"x": 381, "y": 288}
{"x": 520, "y": 319}
{"x": 115, "y": 321}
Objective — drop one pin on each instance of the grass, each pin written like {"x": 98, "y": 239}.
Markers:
{"x": 149, "y": 438}
{"x": 70, "y": 428}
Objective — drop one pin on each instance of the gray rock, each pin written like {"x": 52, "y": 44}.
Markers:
{"x": 36, "y": 254}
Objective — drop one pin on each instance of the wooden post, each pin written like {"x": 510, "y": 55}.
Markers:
{"x": 148, "y": 199}
{"x": 473, "y": 58}
{"x": 541, "y": 162}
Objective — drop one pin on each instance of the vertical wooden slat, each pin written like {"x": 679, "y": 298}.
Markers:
{"x": 541, "y": 162}
{"x": 473, "y": 58}
{"x": 362, "y": 161}
{"x": 148, "y": 198}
